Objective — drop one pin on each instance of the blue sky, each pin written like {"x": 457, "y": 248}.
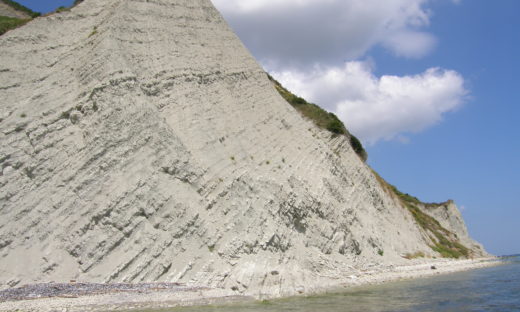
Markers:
{"x": 472, "y": 156}
{"x": 45, "y": 6}
{"x": 467, "y": 150}
{"x": 458, "y": 139}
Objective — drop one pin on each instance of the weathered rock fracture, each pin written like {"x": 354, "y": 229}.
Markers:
{"x": 142, "y": 142}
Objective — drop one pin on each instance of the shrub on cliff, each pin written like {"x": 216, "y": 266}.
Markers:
{"x": 320, "y": 117}
{"x": 358, "y": 147}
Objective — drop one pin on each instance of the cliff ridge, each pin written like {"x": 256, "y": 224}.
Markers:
{"x": 142, "y": 142}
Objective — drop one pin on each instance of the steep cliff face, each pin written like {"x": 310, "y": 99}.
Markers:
{"x": 142, "y": 142}
{"x": 450, "y": 218}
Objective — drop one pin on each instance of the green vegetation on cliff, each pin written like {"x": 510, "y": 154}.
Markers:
{"x": 320, "y": 117}
{"x": 66, "y": 9}
{"x": 17, "y": 6}
{"x": 444, "y": 241}
{"x": 8, "y": 23}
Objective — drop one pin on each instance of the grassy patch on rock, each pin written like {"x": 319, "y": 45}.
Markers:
{"x": 415, "y": 255}
{"x": 443, "y": 241}
{"x": 8, "y": 23}
{"x": 320, "y": 117}
{"x": 17, "y": 6}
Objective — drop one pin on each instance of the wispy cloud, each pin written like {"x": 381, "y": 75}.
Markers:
{"x": 411, "y": 44}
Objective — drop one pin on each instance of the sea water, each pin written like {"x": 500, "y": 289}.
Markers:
{"x": 488, "y": 289}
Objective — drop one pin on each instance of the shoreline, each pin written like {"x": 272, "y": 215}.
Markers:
{"x": 92, "y": 297}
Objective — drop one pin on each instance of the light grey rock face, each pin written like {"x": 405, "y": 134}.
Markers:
{"x": 142, "y": 142}
{"x": 6, "y": 10}
{"x": 450, "y": 218}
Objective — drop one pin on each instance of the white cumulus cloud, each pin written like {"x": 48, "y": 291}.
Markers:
{"x": 314, "y": 46}
{"x": 380, "y": 108}
{"x": 302, "y": 33}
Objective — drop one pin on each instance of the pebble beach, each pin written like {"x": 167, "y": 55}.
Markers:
{"x": 81, "y": 296}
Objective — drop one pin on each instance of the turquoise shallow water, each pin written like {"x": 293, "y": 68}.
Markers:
{"x": 489, "y": 289}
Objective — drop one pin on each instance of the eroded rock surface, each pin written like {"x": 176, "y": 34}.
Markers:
{"x": 142, "y": 142}
{"x": 450, "y": 218}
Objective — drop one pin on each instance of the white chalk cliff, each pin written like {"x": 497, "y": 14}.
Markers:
{"x": 142, "y": 142}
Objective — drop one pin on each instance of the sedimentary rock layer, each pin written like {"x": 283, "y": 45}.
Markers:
{"x": 142, "y": 142}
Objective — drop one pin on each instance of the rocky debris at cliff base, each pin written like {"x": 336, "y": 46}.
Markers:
{"x": 72, "y": 290}
{"x": 134, "y": 297}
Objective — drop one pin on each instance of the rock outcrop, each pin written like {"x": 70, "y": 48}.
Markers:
{"x": 142, "y": 142}
{"x": 450, "y": 218}
{"x": 7, "y": 10}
